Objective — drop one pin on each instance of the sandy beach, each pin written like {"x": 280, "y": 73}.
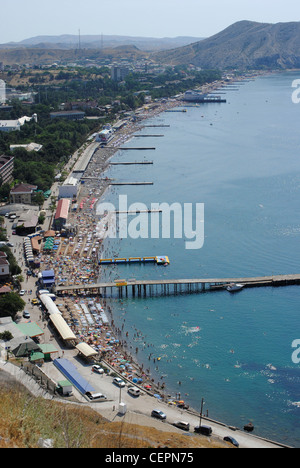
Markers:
{"x": 76, "y": 262}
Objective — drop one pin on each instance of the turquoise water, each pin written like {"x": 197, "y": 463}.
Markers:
{"x": 241, "y": 159}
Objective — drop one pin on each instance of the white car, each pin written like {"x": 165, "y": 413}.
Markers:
{"x": 26, "y": 314}
{"x": 97, "y": 369}
{"x": 119, "y": 382}
{"x": 134, "y": 391}
{"x": 22, "y": 292}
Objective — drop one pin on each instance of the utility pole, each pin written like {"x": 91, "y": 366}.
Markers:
{"x": 202, "y": 403}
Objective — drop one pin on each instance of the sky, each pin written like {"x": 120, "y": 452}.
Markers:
{"x": 147, "y": 18}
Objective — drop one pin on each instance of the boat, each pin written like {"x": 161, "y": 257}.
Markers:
{"x": 197, "y": 96}
{"x": 249, "y": 427}
{"x": 233, "y": 287}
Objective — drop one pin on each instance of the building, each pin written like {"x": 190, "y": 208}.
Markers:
{"x": 22, "y": 343}
{"x": 22, "y": 193}
{"x": 27, "y": 223}
{"x": 119, "y": 73}
{"x": 6, "y": 169}
{"x": 29, "y": 147}
{"x": 62, "y": 213}
{"x": 69, "y": 115}
{"x": 4, "y": 266}
{"x": 15, "y": 125}
{"x": 69, "y": 189}
{"x": 48, "y": 278}
{"x": 10, "y": 126}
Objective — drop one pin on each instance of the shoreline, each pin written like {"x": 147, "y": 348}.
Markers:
{"x": 98, "y": 165}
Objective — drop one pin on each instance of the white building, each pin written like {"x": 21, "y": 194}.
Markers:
{"x": 4, "y": 266}
{"x": 69, "y": 189}
{"x": 15, "y": 125}
{"x": 10, "y": 125}
{"x": 2, "y": 92}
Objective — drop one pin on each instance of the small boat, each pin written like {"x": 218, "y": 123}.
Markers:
{"x": 249, "y": 427}
{"x": 233, "y": 287}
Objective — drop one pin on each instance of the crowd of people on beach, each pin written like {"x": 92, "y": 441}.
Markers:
{"x": 75, "y": 261}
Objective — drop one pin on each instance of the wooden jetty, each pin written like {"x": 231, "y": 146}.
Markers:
{"x": 175, "y": 110}
{"x": 122, "y": 163}
{"x": 134, "y": 148}
{"x": 174, "y": 286}
{"x": 145, "y": 136}
{"x": 136, "y": 212}
{"x": 156, "y": 126}
{"x": 131, "y": 183}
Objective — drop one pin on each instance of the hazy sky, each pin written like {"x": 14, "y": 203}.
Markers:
{"x": 21, "y": 19}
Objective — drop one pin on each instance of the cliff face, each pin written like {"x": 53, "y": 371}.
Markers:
{"x": 245, "y": 44}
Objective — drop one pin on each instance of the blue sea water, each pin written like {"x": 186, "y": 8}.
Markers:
{"x": 242, "y": 160}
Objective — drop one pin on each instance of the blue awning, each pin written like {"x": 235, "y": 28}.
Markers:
{"x": 71, "y": 373}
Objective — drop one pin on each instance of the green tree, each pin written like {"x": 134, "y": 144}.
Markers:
{"x": 10, "y": 305}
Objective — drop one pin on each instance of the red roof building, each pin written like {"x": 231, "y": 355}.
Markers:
{"x": 62, "y": 213}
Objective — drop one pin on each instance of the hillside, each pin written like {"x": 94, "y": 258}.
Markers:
{"x": 37, "y": 56}
{"x": 25, "y": 419}
{"x": 243, "y": 45}
{"x": 69, "y": 41}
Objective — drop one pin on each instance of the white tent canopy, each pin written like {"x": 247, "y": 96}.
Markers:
{"x": 62, "y": 327}
{"x": 49, "y": 304}
{"x": 86, "y": 350}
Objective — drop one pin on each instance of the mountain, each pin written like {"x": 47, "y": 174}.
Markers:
{"x": 44, "y": 56}
{"x": 69, "y": 41}
{"x": 243, "y": 45}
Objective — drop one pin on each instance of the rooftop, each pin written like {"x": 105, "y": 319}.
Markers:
{"x": 62, "y": 209}
{"x": 23, "y": 188}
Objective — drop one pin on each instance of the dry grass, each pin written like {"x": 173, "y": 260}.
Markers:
{"x": 25, "y": 419}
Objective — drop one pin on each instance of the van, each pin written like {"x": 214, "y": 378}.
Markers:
{"x": 96, "y": 396}
{"x": 204, "y": 430}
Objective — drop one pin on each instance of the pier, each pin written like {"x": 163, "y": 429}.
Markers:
{"x": 129, "y": 163}
{"x": 131, "y": 183}
{"x": 175, "y": 286}
{"x": 133, "y": 148}
{"x": 145, "y": 136}
{"x": 159, "y": 260}
{"x": 156, "y": 126}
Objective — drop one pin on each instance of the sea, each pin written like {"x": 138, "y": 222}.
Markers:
{"x": 241, "y": 160}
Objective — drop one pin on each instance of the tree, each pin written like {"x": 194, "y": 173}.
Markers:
{"x": 10, "y": 305}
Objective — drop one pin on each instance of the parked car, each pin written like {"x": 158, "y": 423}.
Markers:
{"x": 158, "y": 414}
{"x": 134, "y": 391}
{"x": 26, "y": 314}
{"x": 10, "y": 244}
{"x": 119, "y": 382}
{"x": 97, "y": 369}
{"x": 204, "y": 430}
{"x": 231, "y": 440}
{"x": 182, "y": 425}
